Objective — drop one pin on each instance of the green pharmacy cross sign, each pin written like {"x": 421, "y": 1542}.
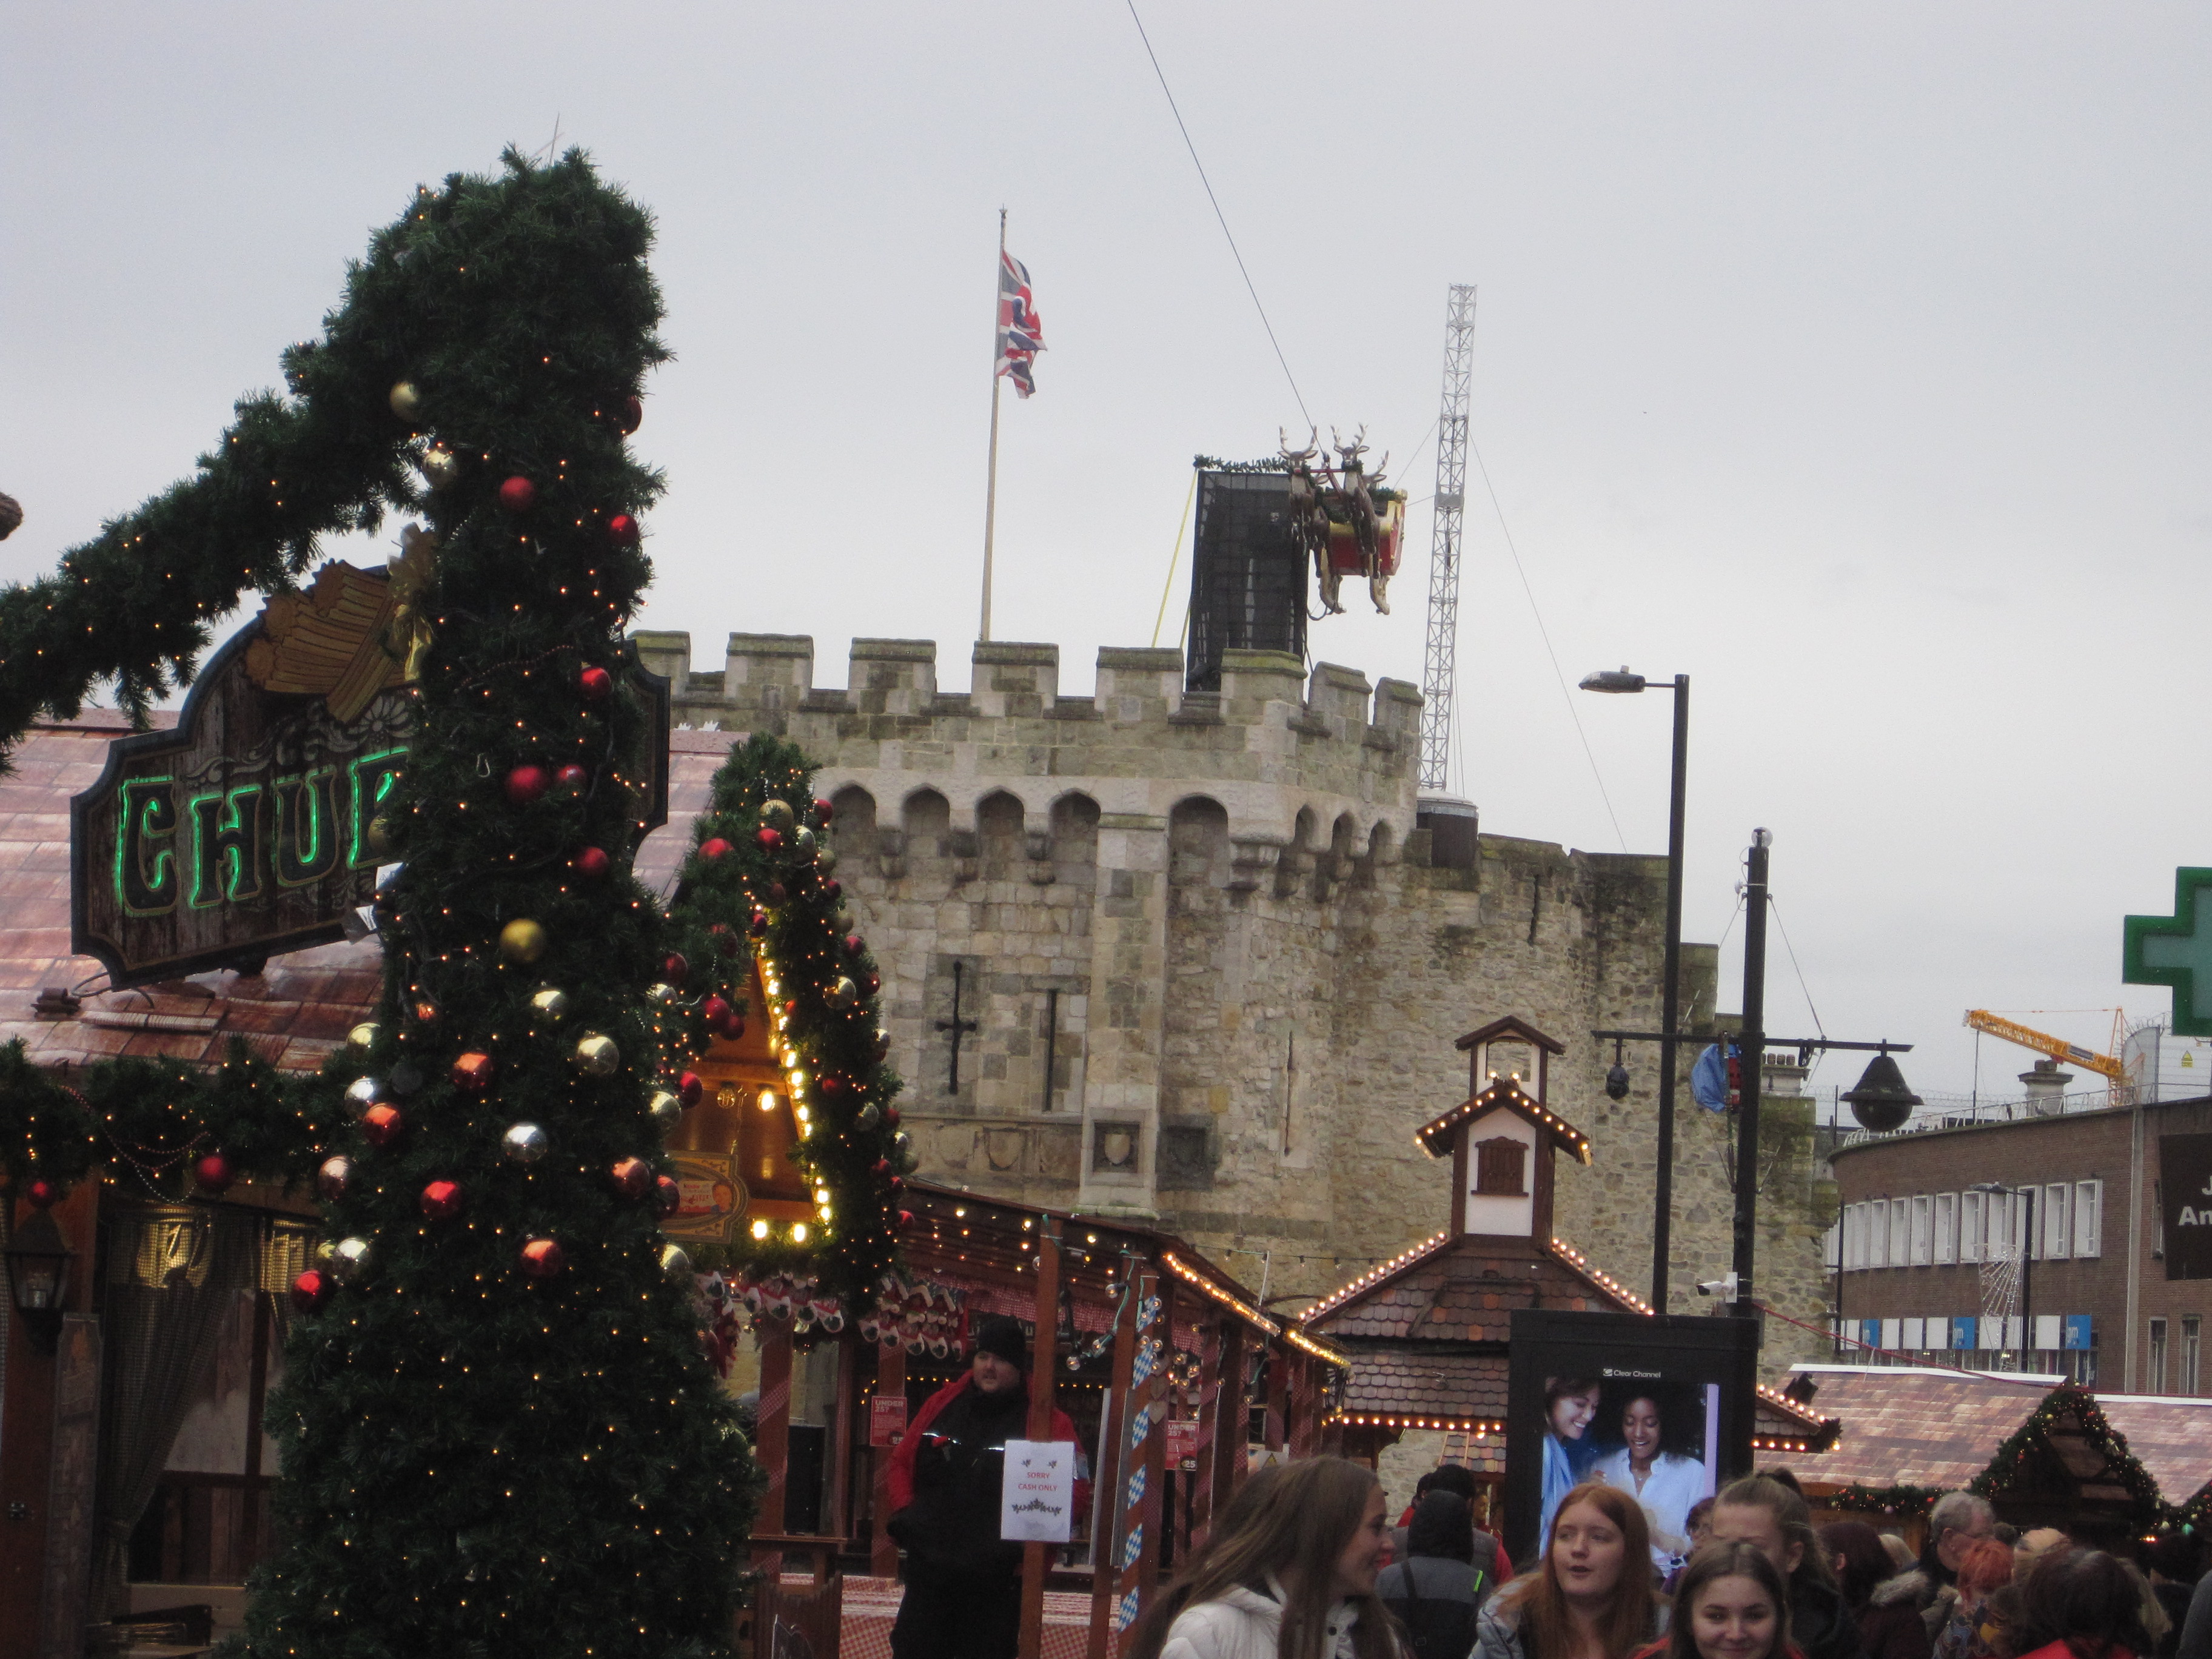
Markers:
{"x": 2176, "y": 952}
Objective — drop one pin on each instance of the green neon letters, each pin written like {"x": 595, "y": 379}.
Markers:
{"x": 238, "y": 844}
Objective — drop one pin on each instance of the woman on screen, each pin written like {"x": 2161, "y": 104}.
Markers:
{"x": 1570, "y": 1407}
{"x": 1652, "y": 1465}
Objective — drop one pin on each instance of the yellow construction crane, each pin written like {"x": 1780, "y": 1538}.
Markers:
{"x": 2107, "y": 1066}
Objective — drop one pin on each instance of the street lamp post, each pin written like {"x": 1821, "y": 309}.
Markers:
{"x": 1753, "y": 1072}
{"x": 1670, "y": 994}
{"x": 2026, "y": 1262}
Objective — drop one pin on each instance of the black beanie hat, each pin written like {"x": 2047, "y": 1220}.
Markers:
{"x": 1003, "y": 1336}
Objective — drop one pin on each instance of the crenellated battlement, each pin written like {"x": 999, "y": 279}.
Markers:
{"x": 1288, "y": 756}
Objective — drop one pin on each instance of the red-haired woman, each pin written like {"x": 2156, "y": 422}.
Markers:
{"x": 1591, "y": 1597}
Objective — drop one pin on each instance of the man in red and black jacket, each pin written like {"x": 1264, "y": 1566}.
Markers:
{"x": 963, "y": 1584}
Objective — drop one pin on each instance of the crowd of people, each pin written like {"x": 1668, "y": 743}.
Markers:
{"x": 1300, "y": 1565}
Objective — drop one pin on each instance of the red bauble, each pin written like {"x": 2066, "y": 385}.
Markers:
{"x": 905, "y": 1220}
{"x": 42, "y": 1195}
{"x": 897, "y": 1184}
{"x": 760, "y": 921}
{"x": 883, "y": 1166}
{"x": 716, "y": 1011}
{"x": 791, "y": 1005}
{"x": 472, "y": 1073}
{"x": 854, "y": 945}
{"x": 776, "y": 894}
{"x": 381, "y": 1124}
{"x": 595, "y": 682}
{"x": 629, "y": 415}
{"x": 592, "y": 863}
{"x": 214, "y": 1172}
{"x": 667, "y": 1196}
{"x": 573, "y": 776}
{"x": 823, "y": 811}
{"x": 714, "y": 848}
{"x": 542, "y": 1258}
{"x": 526, "y": 784}
{"x": 769, "y": 839}
{"x": 831, "y": 1087}
{"x": 442, "y": 1199}
{"x": 688, "y": 1089}
{"x": 733, "y": 1028}
{"x": 310, "y": 1290}
{"x": 518, "y": 494}
{"x": 633, "y": 1177}
{"x": 871, "y": 983}
{"x": 725, "y": 939}
{"x": 674, "y": 969}
{"x": 891, "y": 1115}
{"x": 622, "y": 530}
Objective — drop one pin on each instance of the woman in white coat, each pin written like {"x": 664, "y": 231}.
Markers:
{"x": 1289, "y": 1573}
{"x": 1664, "y": 1482}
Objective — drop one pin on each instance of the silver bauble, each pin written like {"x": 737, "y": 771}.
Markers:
{"x": 667, "y": 1110}
{"x": 349, "y": 1261}
{"x": 548, "y": 1002}
{"x": 674, "y": 1262}
{"x": 361, "y": 1094}
{"x": 524, "y": 1143}
{"x": 596, "y": 1056}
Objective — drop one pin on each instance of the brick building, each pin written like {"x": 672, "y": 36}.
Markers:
{"x": 1928, "y": 1261}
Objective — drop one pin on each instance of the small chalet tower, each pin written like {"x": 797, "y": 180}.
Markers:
{"x": 1502, "y": 1138}
{"x": 1430, "y": 1330}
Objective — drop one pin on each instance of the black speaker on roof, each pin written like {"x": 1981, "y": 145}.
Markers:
{"x": 1248, "y": 580}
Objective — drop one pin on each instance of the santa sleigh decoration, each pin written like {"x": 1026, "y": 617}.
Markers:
{"x": 1343, "y": 520}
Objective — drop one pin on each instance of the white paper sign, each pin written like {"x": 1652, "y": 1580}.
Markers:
{"x": 1037, "y": 1498}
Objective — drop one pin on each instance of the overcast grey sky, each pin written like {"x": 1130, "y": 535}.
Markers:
{"x": 1850, "y": 359}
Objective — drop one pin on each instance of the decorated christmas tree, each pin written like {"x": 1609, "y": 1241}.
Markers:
{"x": 759, "y": 886}
{"x": 499, "y": 1434}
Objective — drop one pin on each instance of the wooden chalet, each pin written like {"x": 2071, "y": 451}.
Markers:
{"x": 1428, "y": 1331}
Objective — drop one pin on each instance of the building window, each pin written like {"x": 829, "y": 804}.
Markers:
{"x": 2052, "y": 1214}
{"x": 2088, "y": 1217}
{"x": 1924, "y": 1234}
{"x": 1947, "y": 1226}
{"x": 2191, "y": 1354}
{"x": 2158, "y": 1356}
{"x": 1900, "y": 1232}
{"x": 1500, "y": 1168}
{"x": 1974, "y": 1224}
{"x": 1874, "y": 1252}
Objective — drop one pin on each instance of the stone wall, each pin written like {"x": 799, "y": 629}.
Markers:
{"x": 1195, "y": 961}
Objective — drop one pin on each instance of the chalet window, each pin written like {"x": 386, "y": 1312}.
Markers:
{"x": 1947, "y": 1226}
{"x": 1973, "y": 1224}
{"x": 2088, "y": 1217}
{"x": 1501, "y": 1167}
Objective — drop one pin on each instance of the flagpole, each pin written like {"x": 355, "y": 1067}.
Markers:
{"x": 991, "y": 493}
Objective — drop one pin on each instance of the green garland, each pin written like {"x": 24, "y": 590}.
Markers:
{"x": 783, "y": 904}
{"x": 2006, "y": 1467}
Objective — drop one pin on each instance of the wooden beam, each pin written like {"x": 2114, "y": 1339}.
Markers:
{"x": 1113, "y": 1468}
{"x": 1279, "y": 1394}
{"x": 1209, "y": 1412}
{"x": 772, "y": 1420}
{"x": 842, "y": 1436}
{"x": 1232, "y": 1418}
{"x": 890, "y": 1380}
{"x": 1043, "y": 1362}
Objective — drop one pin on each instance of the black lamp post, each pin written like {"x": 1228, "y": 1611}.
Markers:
{"x": 2027, "y": 1262}
{"x": 1616, "y": 1082}
{"x": 38, "y": 1278}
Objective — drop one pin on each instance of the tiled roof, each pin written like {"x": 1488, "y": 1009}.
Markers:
{"x": 1904, "y": 1425}
{"x": 1503, "y": 1094}
{"x": 1463, "y": 1290}
{"x": 292, "y": 1015}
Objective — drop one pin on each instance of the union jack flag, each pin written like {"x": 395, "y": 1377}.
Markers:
{"x": 1021, "y": 331}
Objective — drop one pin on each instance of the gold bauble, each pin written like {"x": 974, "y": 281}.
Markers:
{"x": 380, "y": 840}
{"x": 363, "y": 1035}
{"x": 549, "y": 1002}
{"x": 667, "y": 1110}
{"x": 674, "y": 1262}
{"x": 778, "y": 816}
{"x": 442, "y": 468}
{"x": 406, "y": 400}
{"x": 596, "y": 1056}
{"x": 522, "y": 940}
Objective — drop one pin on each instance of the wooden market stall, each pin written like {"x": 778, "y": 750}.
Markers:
{"x": 1169, "y": 1367}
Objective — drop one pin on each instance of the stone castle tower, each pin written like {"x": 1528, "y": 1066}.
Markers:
{"x": 1199, "y": 957}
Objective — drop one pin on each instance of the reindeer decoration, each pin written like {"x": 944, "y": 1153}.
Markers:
{"x": 1336, "y": 519}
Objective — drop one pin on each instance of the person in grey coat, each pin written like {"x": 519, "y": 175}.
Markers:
{"x": 1437, "y": 1591}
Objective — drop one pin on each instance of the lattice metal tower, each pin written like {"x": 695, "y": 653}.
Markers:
{"x": 1440, "y": 669}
